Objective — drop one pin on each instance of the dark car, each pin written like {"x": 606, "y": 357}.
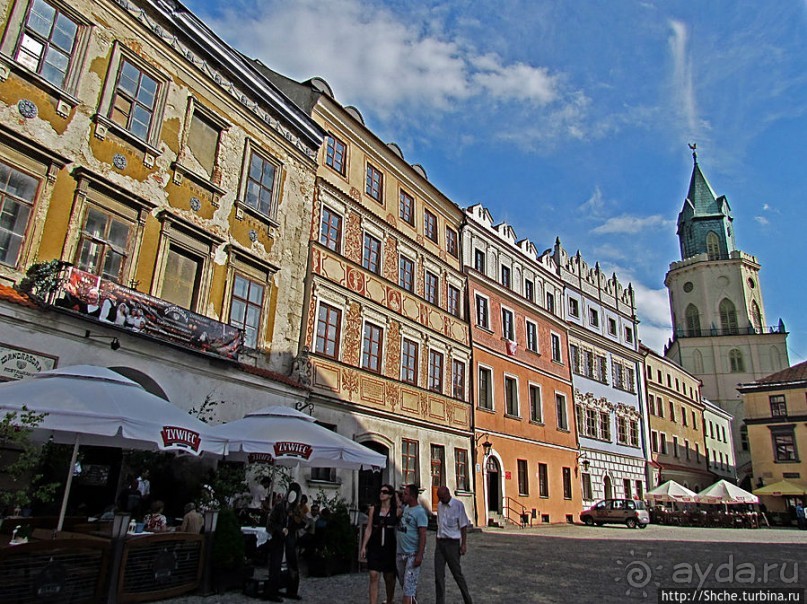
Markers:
{"x": 631, "y": 512}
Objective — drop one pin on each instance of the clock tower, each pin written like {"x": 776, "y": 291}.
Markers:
{"x": 720, "y": 333}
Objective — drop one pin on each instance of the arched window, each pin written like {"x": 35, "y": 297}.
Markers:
{"x": 728, "y": 317}
{"x": 697, "y": 362}
{"x": 693, "y": 321}
{"x": 736, "y": 363}
{"x": 756, "y": 315}
{"x": 713, "y": 245}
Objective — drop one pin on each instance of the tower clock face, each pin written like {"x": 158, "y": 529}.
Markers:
{"x": 688, "y": 287}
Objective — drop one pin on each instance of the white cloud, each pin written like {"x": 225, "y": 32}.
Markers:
{"x": 682, "y": 75}
{"x": 762, "y": 220}
{"x": 375, "y": 59}
{"x": 633, "y": 224}
{"x": 594, "y": 205}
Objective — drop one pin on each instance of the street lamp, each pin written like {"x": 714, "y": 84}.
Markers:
{"x": 211, "y": 520}
{"x": 486, "y": 446}
{"x": 120, "y": 526}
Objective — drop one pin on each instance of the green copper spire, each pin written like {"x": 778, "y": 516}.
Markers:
{"x": 704, "y": 224}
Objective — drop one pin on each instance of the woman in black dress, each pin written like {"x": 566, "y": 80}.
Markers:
{"x": 378, "y": 546}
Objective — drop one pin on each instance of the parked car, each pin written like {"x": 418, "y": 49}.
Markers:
{"x": 631, "y": 512}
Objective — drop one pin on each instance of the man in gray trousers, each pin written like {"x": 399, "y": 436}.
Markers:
{"x": 452, "y": 525}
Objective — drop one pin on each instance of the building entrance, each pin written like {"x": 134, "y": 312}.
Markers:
{"x": 494, "y": 485}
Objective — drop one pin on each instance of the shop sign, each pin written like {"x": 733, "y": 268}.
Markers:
{"x": 16, "y": 363}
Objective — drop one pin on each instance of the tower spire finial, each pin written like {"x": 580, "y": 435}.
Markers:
{"x": 694, "y": 146}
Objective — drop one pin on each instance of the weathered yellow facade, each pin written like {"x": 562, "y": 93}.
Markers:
{"x": 146, "y": 151}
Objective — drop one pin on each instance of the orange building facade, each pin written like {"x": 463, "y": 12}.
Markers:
{"x": 524, "y": 433}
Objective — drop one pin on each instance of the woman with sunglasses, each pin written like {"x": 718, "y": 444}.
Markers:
{"x": 378, "y": 546}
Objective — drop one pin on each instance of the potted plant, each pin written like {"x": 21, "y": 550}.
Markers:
{"x": 228, "y": 553}
{"x": 335, "y": 551}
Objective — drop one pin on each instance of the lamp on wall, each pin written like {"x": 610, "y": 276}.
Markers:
{"x": 583, "y": 461}
{"x": 486, "y": 446}
{"x": 114, "y": 343}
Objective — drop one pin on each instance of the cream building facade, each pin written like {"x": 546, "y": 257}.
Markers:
{"x": 721, "y": 334}
{"x": 675, "y": 414}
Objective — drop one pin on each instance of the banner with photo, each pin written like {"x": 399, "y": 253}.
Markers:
{"x": 134, "y": 311}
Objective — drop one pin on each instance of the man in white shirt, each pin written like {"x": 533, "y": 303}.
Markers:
{"x": 452, "y": 524}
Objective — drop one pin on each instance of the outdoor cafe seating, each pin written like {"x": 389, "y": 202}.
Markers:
{"x": 76, "y": 564}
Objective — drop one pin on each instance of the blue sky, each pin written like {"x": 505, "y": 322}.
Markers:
{"x": 572, "y": 119}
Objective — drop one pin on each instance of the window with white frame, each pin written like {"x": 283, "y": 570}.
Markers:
{"x": 452, "y": 244}
{"x": 436, "y": 360}
{"x": 135, "y": 104}
{"x": 329, "y": 325}
{"x": 17, "y": 194}
{"x": 621, "y": 430}
{"x": 479, "y": 261}
{"x": 508, "y": 328}
{"x": 593, "y": 317}
{"x": 529, "y": 290}
{"x": 406, "y": 273}
{"x": 430, "y": 225}
{"x": 485, "y": 395}
{"x": 432, "y": 288}
{"x": 458, "y": 379}
{"x": 406, "y": 208}
{"x": 260, "y": 185}
{"x": 536, "y": 405}
{"x": 611, "y": 326}
{"x": 633, "y": 426}
{"x": 574, "y": 307}
{"x": 372, "y": 345}
{"x": 104, "y": 243}
{"x": 453, "y": 300}
{"x": 409, "y": 361}
{"x": 561, "y": 411}
{"x": 532, "y": 336}
{"x": 556, "y": 353}
{"x": 374, "y": 186}
{"x": 51, "y": 42}
{"x": 246, "y": 306}
{"x": 335, "y": 154}
{"x": 511, "y": 396}
{"x": 371, "y": 253}
{"x": 482, "y": 312}
{"x": 330, "y": 230}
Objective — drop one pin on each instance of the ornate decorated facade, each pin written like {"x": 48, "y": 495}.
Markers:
{"x": 386, "y": 346}
{"x": 607, "y": 374}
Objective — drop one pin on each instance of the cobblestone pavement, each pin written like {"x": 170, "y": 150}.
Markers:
{"x": 588, "y": 564}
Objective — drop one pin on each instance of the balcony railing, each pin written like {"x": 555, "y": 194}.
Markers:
{"x": 735, "y": 331}
{"x": 134, "y": 311}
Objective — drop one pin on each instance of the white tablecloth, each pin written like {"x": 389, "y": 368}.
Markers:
{"x": 261, "y": 534}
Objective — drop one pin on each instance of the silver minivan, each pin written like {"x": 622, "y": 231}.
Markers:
{"x": 631, "y": 512}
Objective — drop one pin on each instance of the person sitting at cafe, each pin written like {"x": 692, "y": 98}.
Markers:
{"x": 156, "y": 522}
{"x": 192, "y": 521}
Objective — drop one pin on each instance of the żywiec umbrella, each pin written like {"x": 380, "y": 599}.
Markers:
{"x": 90, "y": 405}
{"x": 725, "y": 492}
{"x": 671, "y": 491}
{"x": 783, "y": 488}
{"x": 286, "y": 436}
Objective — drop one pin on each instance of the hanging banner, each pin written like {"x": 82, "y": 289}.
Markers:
{"x": 134, "y": 311}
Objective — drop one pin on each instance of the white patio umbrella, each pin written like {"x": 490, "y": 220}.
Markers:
{"x": 725, "y": 492}
{"x": 671, "y": 491}
{"x": 89, "y": 405}
{"x": 289, "y": 437}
